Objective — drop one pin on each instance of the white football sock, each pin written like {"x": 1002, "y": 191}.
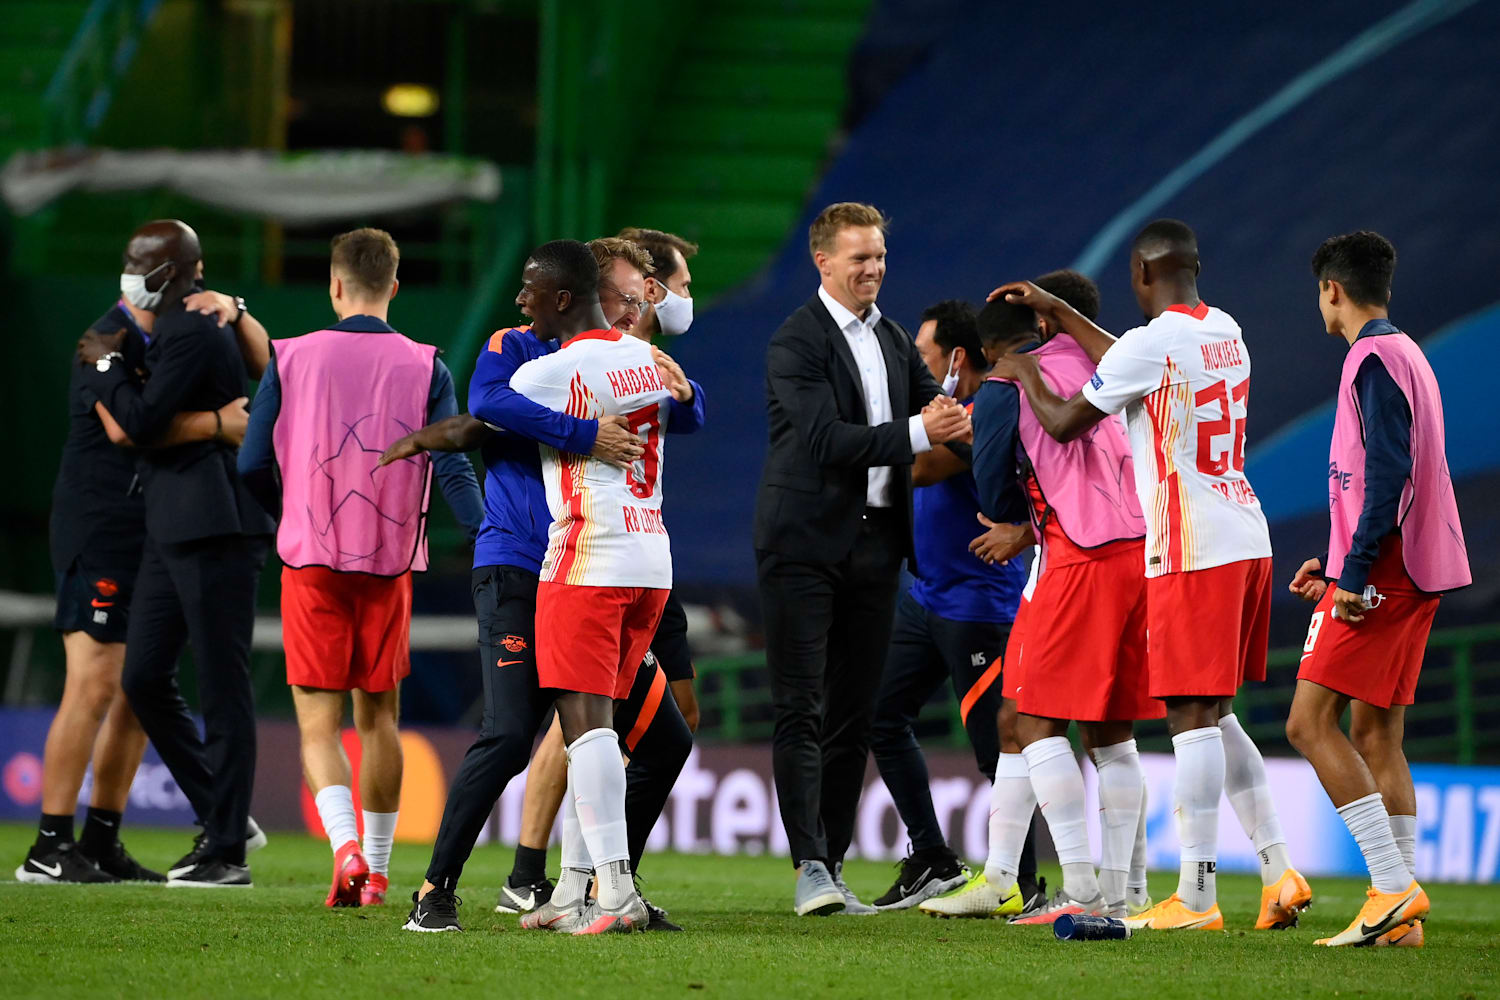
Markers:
{"x": 1366, "y": 818}
{"x": 1012, "y": 803}
{"x": 1249, "y": 793}
{"x": 1058, "y": 785}
{"x": 1404, "y": 829}
{"x": 573, "y": 881}
{"x": 598, "y": 777}
{"x": 380, "y": 833}
{"x": 1197, "y": 788}
{"x": 1119, "y": 770}
{"x": 1135, "y": 884}
{"x": 336, "y": 810}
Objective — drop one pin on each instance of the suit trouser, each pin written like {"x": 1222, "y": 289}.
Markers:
{"x": 202, "y": 594}
{"x": 827, "y": 629}
{"x": 515, "y": 706}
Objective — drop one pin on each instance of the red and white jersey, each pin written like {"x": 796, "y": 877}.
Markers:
{"x": 607, "y": 528}
{"x": 1183, "y": 381}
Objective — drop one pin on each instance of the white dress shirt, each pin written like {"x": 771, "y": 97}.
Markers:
{"x": 865, "y": 346}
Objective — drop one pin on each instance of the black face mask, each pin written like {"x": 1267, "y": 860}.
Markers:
{"x": 199, "y": 286}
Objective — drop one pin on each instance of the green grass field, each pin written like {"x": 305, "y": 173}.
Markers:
{"x": 277, "y": 940}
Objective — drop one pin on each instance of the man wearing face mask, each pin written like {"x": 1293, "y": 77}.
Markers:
{"x": 97, "y": 529}
{"x": 206, "y": 540}
{"x": 952, "y": 625}
{"x": 669, "y": 288}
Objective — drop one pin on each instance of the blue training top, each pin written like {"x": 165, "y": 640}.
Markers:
{"x": 951, "y": 581}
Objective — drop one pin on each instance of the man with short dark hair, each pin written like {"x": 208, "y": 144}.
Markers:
{"x": 850, "y": 405}
{"x": 1395, "y": 546}
{"x": 1183, "y": 382}
{"x": 669, "y": 286}
{"x": 350, "y": 537}
{"x": 950, "y": 626}
{"x": 205, "y": 544}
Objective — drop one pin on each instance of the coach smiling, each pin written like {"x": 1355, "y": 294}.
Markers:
{"x": 845, "y": 390}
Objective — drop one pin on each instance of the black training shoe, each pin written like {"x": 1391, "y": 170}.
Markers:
{"x": 115, "y": 860}
{"x": 63, "y": 863}
{"x": 523, "y": 897}
{"x": 923, "y": 874}
{"x": 210, "y": 873}
{"x": 657, "y": 918}
{"x": 1033, "y": 894}
{"x": 434, "y": 913}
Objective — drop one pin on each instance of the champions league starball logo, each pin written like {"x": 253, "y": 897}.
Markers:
{"x": 350, "y": 483}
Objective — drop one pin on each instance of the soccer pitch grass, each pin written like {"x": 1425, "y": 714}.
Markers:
{"x": 277, "y": 940}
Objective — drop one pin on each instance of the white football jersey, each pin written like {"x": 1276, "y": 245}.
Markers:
{"x": 607, "y": 528}
{"x": 1183, "y": 381}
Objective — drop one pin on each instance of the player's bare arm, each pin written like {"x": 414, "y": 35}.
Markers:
{"x": 1308, "y": 583}
{"x": 1064, "y": 419}
{"x": 460, "y": 432}
{"x": 1059, "y": 316}
{"x": 255, "y": 343}
{"x": 1001, "y": 543}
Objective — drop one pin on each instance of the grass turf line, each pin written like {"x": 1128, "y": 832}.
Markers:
{"x": 277, "y": 940}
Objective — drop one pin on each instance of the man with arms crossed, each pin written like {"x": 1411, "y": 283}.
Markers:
{"x": 1183, "y": 381}
{"x": 1395, "y": 545}
{"x": 349, "y": 539}
{"x": 850, "y": 404}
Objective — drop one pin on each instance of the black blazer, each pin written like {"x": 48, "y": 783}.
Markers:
{"x": 813, "y": 487}
{"x": 192, "y": 490}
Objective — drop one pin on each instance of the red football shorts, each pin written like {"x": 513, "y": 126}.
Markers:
{"x": 1209, "y": 629}
{"x": 593, "y": 639}
{"x": 344, "y": 631}
{"x": 1010, "y": 678}
{"x": 1086, "y": 640}
{"x": 1375, "y": 661}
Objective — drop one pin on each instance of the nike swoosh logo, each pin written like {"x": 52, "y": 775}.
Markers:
{"x": 525, "y": 903}
{"x": 102, "y": 604}
{"x": 506, "y": 663}
{"x": 1385, "y": 922}
{"x": 54, "y": 870}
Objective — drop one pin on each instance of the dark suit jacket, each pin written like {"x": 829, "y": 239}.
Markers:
{"x": 813, "y": 487}
{"x": 191, "y": 490}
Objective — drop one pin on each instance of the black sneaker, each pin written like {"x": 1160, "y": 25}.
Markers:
{"x": 1033, "y": 894}
{"x": 657, "y": 918}
{"x": 922, "y": 875}
{"x": 210, "y": 873}
{"x": 115, "y": 860}
{"x": 434, "y": 913}
{"x": 255, "y": 839}
{"x": 523, "y": 897}
{"x": 63, "y": 863}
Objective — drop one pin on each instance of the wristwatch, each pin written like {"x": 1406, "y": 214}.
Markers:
{"x": 103, "y": 364}
{"x": 239, "y": 303}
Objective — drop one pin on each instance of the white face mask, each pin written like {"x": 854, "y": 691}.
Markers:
{"x": 133, "y": 288}
{"x": 674, "y": 313}
{"x": 950, "y": 380}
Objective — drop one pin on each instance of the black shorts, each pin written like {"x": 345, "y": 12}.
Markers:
{"x": 670, "y": 644}
{"x": 94, "y": 599}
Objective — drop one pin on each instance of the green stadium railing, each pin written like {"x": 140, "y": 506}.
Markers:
{"x": 1456, "y": 717}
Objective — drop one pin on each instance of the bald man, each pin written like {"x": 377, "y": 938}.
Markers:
{"x": 206, "y": 540}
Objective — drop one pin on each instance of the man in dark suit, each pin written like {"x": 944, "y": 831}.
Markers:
{"x": 850, "y": 403}
{"x": 206, "y": 541}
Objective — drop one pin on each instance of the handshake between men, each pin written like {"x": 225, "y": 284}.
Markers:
{"x": 945, "y": 420}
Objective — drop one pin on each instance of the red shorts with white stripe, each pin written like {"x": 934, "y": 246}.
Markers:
{"x": 1209, "y": 629}
{"x": 345, "y": 631}
{"x": 1010, "y": 679}
{"x": 592, "y": 639}
{"x": 1086, "y": 640}
{"x": 1376, "y": 661}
